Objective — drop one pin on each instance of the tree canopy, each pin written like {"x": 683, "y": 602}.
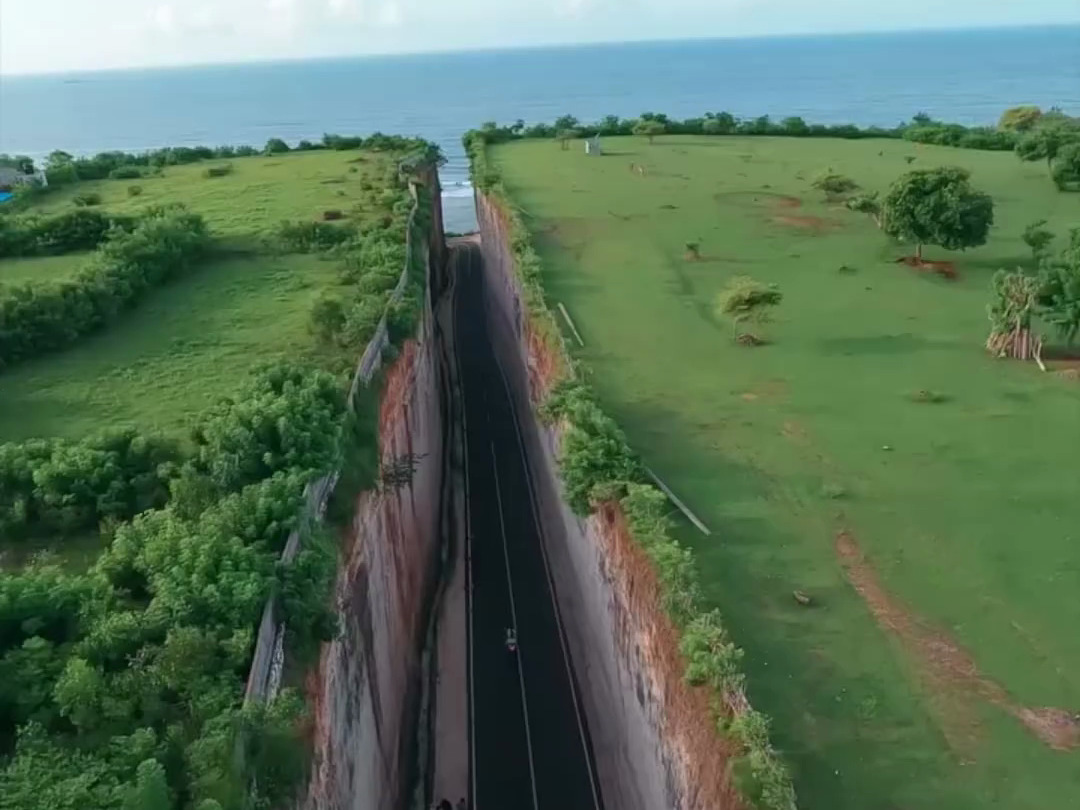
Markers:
{"x": 649, "y": 128}
{"x": 1065, "y": 168}
{"x": 1045, "y": 142}
{"x": 1059, "y": 294}
{"x": 747, "y": 299}
{"x": 1021, "y": 118}
{"x": 937, "y": 207}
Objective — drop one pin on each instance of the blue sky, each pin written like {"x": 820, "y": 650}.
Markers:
{"x": 57, "y": 35}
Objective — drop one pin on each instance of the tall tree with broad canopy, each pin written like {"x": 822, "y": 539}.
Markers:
{"x": 1021, "y": 118}
{"x": 1059, "y": 294}
{"x": 649, "y": 128}
{"x": 937, "y": 207}
{"x": 1065, "y": 169}
{"x": 1045, "y": 142}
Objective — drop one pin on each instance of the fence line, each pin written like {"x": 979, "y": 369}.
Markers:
{"x": 268, "y": 659}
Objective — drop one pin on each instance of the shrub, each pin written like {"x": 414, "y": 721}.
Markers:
{"x": 78, "y": 229}
{"x": 223, "y": 170}
{"x": 866, "y": 204}
{"x": 332, "y": 215}
{"x": 1065, "y": 169}
{"x": 134, "y": 191}
{"x": 304, "y": 237}
{"x": 126, "y": 173}
{"x": 327, "y": 318}
{"x": 275, "y": 146}
{"x": 834, "y": 184}
{"x": 87, "y": 200}
{"x": 54, "y": 486}
{"x": 285, "y": 417}
{"x": 39, "y": 318}
{"x": 62, "y": 175}
{"x": 746, "y": 299}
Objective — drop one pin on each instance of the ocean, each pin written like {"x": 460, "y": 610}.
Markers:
{"x": 964, "y": 76}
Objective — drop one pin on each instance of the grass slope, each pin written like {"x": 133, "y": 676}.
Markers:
{"x": 969, "y": 519}
{"x": 173, "y": 356}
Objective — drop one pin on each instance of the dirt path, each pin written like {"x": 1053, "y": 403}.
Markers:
{"x": 951, "y": 673}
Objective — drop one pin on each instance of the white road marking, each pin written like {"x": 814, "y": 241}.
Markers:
{"x": 513, "y": 618}
{"x": 468, "y": 554}
{"x": 551, "y": 583}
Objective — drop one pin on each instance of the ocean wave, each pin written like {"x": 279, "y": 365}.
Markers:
{"x": 462, "y": 189}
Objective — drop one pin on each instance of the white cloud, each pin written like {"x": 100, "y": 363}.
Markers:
{"x": 164, "y": 18}
{"x": 345, "y": 9}
{"x": 390, "y": 14}
{"x": 50, "y": 35}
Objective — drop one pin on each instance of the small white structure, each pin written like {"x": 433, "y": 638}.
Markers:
{"x": 592, "y": 146}
{"x": 10, "y": 178}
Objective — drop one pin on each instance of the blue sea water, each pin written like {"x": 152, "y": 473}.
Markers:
{"x": 965, "y": 76}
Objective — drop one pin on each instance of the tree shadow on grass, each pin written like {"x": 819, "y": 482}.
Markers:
{"x": 990, "y": 265}
{"x": 881, "y": 345}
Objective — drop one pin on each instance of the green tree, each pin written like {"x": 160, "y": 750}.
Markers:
{"x": 649, "y": 128}
{"x": 58, "y": 158}
{"x": 564, "y": 136}
{"x": 869, "y": 203}
{"x": 1044, "y": 143}
{"x": 1020, "y": 119}
{"x": 566, "y": 122}
{"x": 746, "y": 299}
{"x": 79, "y": 694}
{"x": 722, "y": 123}
{"x": 275, "y": 146}
{"x": 327, "y": 318}
{"x": 937, "y": 207}
{"x": 1065, "y": 169}
{"x": 1059, "y": 293}
{"x": 795, "y": 126}
{"x": 833, "y": 183}
{"x": 151, "y": 789}
{"x": 1038, "y": 239}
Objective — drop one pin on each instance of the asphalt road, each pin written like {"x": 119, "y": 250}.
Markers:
{"x": 529, "y": 745}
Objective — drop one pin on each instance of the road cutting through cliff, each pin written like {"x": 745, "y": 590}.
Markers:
{"x": 528, "y": 739}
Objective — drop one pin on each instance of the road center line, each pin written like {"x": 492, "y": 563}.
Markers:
{"x": 513, "y": 618}
{"x": 551, "y": 583}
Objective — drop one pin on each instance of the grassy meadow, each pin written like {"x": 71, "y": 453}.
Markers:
{"x": 193, "y": 340}
{"x": 173, "y": 356}
{"x": 257, "y": 194}
{"x": 40, "y": 268}
{"x": 871, "y": 455}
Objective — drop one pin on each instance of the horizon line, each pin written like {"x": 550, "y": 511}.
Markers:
{"x": 535, "y": 47}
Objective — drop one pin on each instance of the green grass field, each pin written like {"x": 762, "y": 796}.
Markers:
{"x": 192, "y": 341}
{"x": 41, "y": 268}
{"x": 173, "y": 356}
{"x": 189, "y": 343}
{"x": 259, "y": 193}
{"x": 906, "y": 696}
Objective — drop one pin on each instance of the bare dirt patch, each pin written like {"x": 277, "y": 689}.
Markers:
{"x": 1068, "y": 369}
{"x": 950, "y": 671}
{"x": 943, "y": 269}
{"x": 1070, "y": 374}
{"x": 807, "y": 223}
{"x": 788, "y": 202}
